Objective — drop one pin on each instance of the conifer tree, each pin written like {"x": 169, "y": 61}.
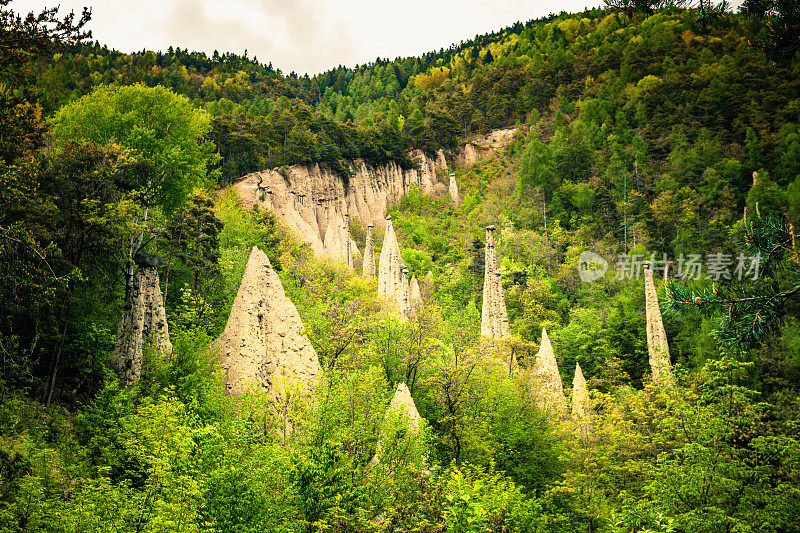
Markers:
{"x": 763, "y": 285}
{"x": 781, "y": 20}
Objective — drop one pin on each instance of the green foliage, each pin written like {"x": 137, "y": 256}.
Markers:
{"x": 637, "y": 133}
{"x": 191, "y": 243}
{"x": 327, "y": 498}
{"x": 777, "y": 28}
{"x": 349, "y": 409}
{"x": 712, "y": 480}
{"x": 765, "y": 195}
{"x": 756, "y": 299}
{"x": 484, "y": 500}
{"x": 64, "y": 222}
{"x": 156, "y": 124}
{"x": 523, "y": 444}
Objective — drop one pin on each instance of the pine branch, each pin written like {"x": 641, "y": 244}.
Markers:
{"x": 748, "y": 310}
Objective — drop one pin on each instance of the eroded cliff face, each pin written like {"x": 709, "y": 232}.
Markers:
{"x": 264, "y": 344}
{"x": 481, "y": 146}
{"x": 312, "y": 200}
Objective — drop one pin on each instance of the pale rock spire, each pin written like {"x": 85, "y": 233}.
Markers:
{"x": 350, "y": 250}
{"x": 143, "y": 323}
{"x": 390, "y": 274}
{"x": 494, "y": 315}
{"x": 405, "y": 294}
{"x": 402, "y": 406}
{"x": 264, "y": 344}
{"x": 368, "y": 268}
{"x": 415, "y": 292}
{"x": 547, "y": 379}
{"x": 581, "y": 403}
{"x": 454, "y": 189}
{"x": 657, "y": 346}
{"x": 334, "y": 242}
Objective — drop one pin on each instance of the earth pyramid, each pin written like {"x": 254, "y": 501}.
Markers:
{"x": 657, "y": 346}
{"x": 581, "y": 403}
{"x": 351, "y": 249}
{"x": 453, "y": 188}
{"x": 494, "y": 315}
{"x": 414, "y": 291}
{"x": 405, "y": 299}
{"x": 390, "y": 270}
{"x": 143, "y": 322}
{"x": 402, "y": 405}
{"x": 368, "y": 268}
{"x": 338, "y": 242}
{"x": 547, "y": 378}
{"x": 264, "y": 344}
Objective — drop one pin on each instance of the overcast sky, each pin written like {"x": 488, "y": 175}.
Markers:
{"x": 301, "y": 35}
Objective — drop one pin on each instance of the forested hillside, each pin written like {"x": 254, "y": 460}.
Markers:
{"x": 670, "y": 135}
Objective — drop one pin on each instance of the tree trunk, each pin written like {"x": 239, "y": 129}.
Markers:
{"x": 51, "y": 383}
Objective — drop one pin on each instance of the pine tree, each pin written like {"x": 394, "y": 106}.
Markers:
{"x": 763, "y": 289}
{"x": 781, "y": 21}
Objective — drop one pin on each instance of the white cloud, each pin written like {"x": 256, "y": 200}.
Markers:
{"x": 292, "y": 35}
{"x": 302, "y": 35}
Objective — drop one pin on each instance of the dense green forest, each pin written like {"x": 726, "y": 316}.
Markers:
{"x": 642, "y": 131}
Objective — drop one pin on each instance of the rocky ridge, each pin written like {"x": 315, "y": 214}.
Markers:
{"x": 311, "y": 200}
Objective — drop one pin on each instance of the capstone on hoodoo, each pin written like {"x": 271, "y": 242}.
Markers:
{"x": 494, "y": 315}
{"x": 264, "y": 344}
{"x": 143, "y": 323}
{"x": 657, "y": 346}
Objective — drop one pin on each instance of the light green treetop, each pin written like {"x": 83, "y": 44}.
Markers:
{"x": 162, "y": 126}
